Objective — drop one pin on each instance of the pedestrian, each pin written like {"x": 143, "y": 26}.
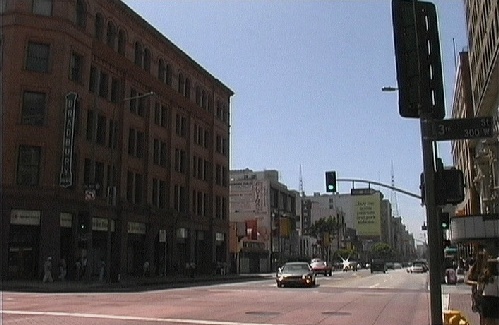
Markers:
{"x": 84, "y": 262}
{"x": 47, "y": 270}
{"x": 490, "y": 292}
{"x": 78, "y": 270}
{"x": 477, "y": 264}
{"x": 62, "y": 269}
{"x": 102, "y": 270}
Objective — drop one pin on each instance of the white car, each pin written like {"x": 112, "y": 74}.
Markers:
{"x": 417, "y": 267}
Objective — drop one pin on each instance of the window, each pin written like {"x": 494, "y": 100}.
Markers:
{"x": 180, "y": 160}
{"x": 28, "y": 165}
{"x": 161, "y": 70}
{"x": 140, "y": 145}
{"x": 103, "y": 84}
{"x": 111, "y": 35}
{"x": 164, "y": 116}
{"x": 37, "y": 58}
{"x": 147, "y": 60}
{"x": 81, "y": 13}
{"x": 34, "y": 106}
{"x": 181, "y": 125}
{"x": 42, "y": 7}
{"x": 112, "y": 140}
{"x": 99, "y": 26}
{"x": 121, "y": 42}
{"x": 134, "y": 188}
{"x": 100, "y": 136}
{"x": 181, "y": 84}
{"x": 115, "y": 90}
{"x": 159, "y": 193}
{"x": 91, "y": 125}
{"x": 169, "y": 74}
{"x": 131, "y": 141}
{"x": 187, "y": 90}
{"x": 138, "y": 54}
{"x": 179, "y": 198}
{"x": 99, "y": 178}
{"x": 76, "y": 67}
{"x": 92, "y": 80}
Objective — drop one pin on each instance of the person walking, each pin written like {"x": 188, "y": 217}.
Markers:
{"x": 490, "y": 292}
{"x": 47, "y": 270}
{"x": 62, "y": 270}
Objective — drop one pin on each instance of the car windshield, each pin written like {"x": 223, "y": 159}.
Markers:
{"x": 295, "y": 267}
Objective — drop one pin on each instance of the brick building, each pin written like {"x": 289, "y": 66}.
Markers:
{"x": 114, "y": 144}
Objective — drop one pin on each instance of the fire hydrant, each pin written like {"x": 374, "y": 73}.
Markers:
{"x": 454, "y": 317}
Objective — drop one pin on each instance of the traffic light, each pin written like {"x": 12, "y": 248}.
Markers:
{"x": 449, "y": 186}
{"x": 331, "y": 182}
{"x": 418, "y": 60}
{"x": 445, "y": 220}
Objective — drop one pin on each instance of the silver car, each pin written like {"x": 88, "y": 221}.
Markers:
{"x": 296, "y": 274}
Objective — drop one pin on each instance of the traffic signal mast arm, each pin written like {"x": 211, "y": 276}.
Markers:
{"x": 417, "y": 196}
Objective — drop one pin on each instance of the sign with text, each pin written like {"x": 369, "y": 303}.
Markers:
{"x": 66, "y": 176}
{"x": 467, "y": 128}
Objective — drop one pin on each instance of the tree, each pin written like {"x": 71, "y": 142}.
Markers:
{"x": 382, "y": 250}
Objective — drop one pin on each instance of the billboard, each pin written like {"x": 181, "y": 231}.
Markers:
{"x": 368, "y": 212}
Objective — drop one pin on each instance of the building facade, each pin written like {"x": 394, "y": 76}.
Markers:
{"x": 115, "y": 145}
{"x": 264, "y": 216}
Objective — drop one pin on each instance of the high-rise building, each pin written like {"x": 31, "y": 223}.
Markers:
{"x": 115, "y": 144}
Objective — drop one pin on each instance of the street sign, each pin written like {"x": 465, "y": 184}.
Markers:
{"x": 89, "y": 195}
{"x": 467, "y": 128}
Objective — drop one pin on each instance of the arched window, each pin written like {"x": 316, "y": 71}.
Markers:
{"x": 81, "y": 13}
{"x": 138, "y": 54}
{"x": 111, "y": 35}
{"x": 187, "y": 92}
{"x": 161, "y": 70}
{"x": 169, "y": 74}
{"x": 198, "y": 95}
{"x": 204, "y": 100}
{"x": 99, "y": 26}
{"x": 121, "y": 42}
{"x": 181, "y": 83}
{"x": 147, "y": 60}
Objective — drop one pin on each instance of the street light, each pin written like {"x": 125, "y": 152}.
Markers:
{"x": 389, "y": 88}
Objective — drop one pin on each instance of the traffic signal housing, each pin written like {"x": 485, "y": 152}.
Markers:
{"x": 449, "y": 183}
{"x": 418, "y": 59}
{"x": 445, "y": 220}
{"x": 331, "y": 182}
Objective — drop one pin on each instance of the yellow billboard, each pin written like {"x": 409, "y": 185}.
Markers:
{"x": 368, "y": 211}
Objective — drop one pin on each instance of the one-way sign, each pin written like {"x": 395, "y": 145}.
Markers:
{"x": 467, "y": 128}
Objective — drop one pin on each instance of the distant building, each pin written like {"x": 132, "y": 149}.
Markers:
{"x": 366, "y": 218}
{"x": 115, "y": 144}
{"x": 477, "y": 95}
{"x": 263, "y": 214}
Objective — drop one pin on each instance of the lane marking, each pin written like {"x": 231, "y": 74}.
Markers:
{"x": 135, "y": 318}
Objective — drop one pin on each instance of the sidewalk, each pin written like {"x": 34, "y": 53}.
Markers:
{"x": 125, "y": 284}
{"x": 460, "y": 299}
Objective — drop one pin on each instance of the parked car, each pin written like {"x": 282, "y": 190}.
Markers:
{"x": 378, "y": 265}
{"x": 417, "y": 267}
{"x": 295, "y": 273}
{"x": 321, "y": 267}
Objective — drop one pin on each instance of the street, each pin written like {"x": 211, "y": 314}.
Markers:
{"x": 396, "y": 297}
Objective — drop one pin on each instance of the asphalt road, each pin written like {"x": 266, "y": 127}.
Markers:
{"x": 345, "y": 298}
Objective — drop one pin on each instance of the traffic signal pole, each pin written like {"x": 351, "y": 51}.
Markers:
{"x": 432, "y": 220}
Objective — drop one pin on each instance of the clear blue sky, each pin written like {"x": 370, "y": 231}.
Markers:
{"x": 307, "y": 77}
